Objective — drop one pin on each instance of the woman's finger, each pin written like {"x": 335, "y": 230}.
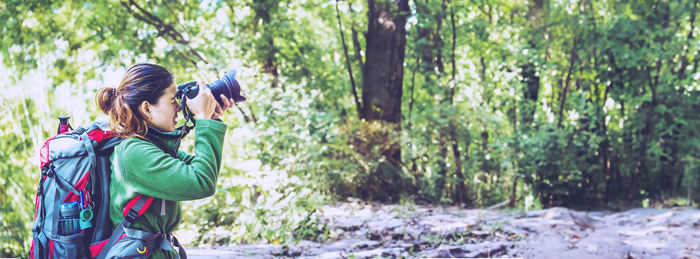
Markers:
{"x": 225, "y": 101}
{"x": 218, "y": 109}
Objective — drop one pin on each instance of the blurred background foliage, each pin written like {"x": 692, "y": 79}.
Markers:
{"x": 585, "y": 104}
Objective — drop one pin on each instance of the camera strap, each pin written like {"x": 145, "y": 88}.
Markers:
{"x": 184, "y": 129}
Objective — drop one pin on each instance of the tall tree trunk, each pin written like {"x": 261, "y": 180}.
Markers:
{"x": 356, "y": 44}
{"x": 429, "y": 44}
{"x": 675, "y": 141}
{"x": 430, "y": 51}
{"x": 572, "y": 61}
{"x": 386, "y": 49}
{"x": 535, "y": 14}
{"x": 650, "y": 106}
{"x": 604, "y": 147}
{"x": 531, "y": 79}
{"x": 513, "y": 115}
{"x": 486, "y": 99}
{"x": 462, "y": 189}
{"x": 413, "y": 86}
{"x": 358, "y": 105}
{"x": 382, "y": 85}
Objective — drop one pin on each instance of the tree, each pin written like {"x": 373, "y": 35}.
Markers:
{"x": 382, "y": 83}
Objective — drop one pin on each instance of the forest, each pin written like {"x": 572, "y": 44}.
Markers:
{"x": 580, "y": 104}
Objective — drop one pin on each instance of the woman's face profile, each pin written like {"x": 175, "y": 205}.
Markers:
{"x": 164, "y": 111}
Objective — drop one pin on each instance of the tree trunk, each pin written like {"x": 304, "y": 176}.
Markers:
{"x": 356, "y": 43}
{"x": 429, "y": 50}
{"x": 358, "y": 105}
{"x": 382, "y": 88}
{"x": 531, "y": 79}
{"x": 386, "y": 50}
{"x": 462, "y": 189}
{"x": 604, "y": 147}
{"x": 485, "y": 100}
{"x": 650, "y": 106}
{"x": 529, "y": 70}
{"x": 567, "y": 81}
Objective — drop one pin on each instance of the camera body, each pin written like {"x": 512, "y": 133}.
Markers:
{"x": 227, "y": 85}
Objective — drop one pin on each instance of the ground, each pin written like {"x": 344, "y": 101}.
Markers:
{"x": 359, "y": 230}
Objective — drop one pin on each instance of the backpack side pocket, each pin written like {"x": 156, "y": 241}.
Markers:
{"x": 129, "y": 247}
{"x": 70, "y": 246}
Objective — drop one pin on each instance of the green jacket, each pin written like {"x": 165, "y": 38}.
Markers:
{"x": 156, "y": 169}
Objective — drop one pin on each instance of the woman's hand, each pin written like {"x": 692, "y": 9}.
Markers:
{"x": 204, "y": 104}
{"x": 219, "y": 111}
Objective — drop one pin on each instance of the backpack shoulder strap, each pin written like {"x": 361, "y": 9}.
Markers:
{"x": 108, "y": 144}
{"x": 90, "y": 150}
{"x": 135, "y": 208}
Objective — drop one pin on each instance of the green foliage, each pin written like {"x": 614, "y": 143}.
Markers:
{"x": 583, "y": 104}
{"x": 352, "y": 162}
{"x": 17, "y": 188}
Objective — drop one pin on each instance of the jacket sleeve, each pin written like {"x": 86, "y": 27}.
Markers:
{"x": 150, "y": 171}
{"x": 187, "y": 158}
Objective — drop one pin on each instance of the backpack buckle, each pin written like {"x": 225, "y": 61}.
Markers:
{"x": 130, "y": 217}
{"x": 48, "y": 170}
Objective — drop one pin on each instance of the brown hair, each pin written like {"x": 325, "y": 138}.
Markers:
{"x": 142, "y": 82}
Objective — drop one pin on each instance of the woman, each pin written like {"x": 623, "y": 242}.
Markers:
{"x": 143, "y": 110}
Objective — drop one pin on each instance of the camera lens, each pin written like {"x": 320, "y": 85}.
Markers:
{"x": 227, "y": 85}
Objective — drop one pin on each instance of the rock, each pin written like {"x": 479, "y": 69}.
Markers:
{"x": 447, "y": 252}
{"x": 258, "y": 251}
{"x": 481, "y": 250}
{"x": 379, "y": 252}
{"x": 592, "y": 249}
{"x": 417, "y": 246}
{"x": 329, "y": 255}
{"x": 376, "y": 235}
{"x": 557, "y": 213}
{"x": 385, "y": 224}
{"x": 346, "y": 224}
{"x": 643, "y": 232}
{"x": 407, "y": 232}
{"x": 487, "y": 250}
{"x": 645, "y": 244}
{"x": 535, "y": 213}
{"x": 369, "y": 231}
{"x": 513, "y": 231}
{"x": 583, "y": 221}
{"x": 479, "y": 234}
{"x": 365, "y": 244}
{"x": 563, "y": 214}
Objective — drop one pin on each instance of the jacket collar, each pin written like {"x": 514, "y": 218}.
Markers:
{"x": 169, "y": 142}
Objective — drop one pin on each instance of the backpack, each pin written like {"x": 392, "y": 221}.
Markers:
{"x": 71, "y": 212}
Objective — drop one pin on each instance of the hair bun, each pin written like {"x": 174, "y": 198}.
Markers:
{"x": 105, "y": 98}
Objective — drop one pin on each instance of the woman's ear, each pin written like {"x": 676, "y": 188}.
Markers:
{"x": 145, "y": 110}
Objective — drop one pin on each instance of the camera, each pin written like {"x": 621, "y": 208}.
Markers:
{"x": 227, "y": 85}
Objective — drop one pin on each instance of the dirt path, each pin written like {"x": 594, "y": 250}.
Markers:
{"x": 395, "y": 231}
